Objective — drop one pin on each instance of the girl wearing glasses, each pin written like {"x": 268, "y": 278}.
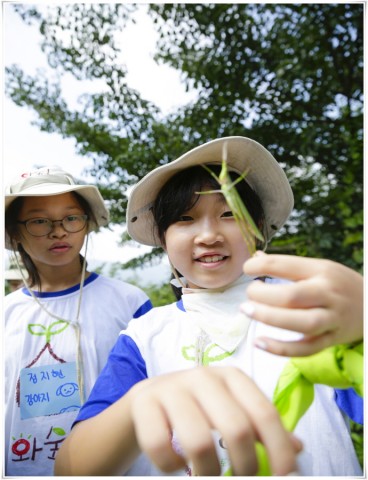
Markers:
{"x": 60, "y": 327}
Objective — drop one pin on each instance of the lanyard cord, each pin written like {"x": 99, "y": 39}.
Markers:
{"x": 74, "y": 324}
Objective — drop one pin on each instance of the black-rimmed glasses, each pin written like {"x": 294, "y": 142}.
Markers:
{"x": 40, "y": 227}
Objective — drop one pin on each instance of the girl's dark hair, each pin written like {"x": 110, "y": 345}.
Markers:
{"x": 12, "y": 230}
{"x": 178, "y": 196}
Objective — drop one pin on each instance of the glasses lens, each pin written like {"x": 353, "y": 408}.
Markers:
{"x": 74, "y": 223}
{"x": 39, "y": 226}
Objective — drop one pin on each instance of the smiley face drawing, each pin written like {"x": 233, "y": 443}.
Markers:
{"x": 67, "y": 389}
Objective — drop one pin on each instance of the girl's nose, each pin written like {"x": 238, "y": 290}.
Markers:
{"x": 208, "y": 233}
{"x": 58, "y": 230}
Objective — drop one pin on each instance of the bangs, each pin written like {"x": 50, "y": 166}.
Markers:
{"x": 179, "y": 195}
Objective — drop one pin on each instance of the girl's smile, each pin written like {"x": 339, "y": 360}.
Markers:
{"x": 211, "y": 259}
{"x": 205, "y": 244}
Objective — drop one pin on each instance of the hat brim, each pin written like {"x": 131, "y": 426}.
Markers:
{"x": 89, "y": 192}
{"x": 265, "y": 176}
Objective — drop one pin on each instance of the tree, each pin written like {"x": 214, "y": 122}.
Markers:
{"x": 288, "y": 75}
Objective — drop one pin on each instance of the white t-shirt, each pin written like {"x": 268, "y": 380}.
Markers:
{"x": 167, "y": 338}
{"x": 42, "y": 395}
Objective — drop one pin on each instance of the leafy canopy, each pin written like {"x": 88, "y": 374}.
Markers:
{"x": 287, "y": 75}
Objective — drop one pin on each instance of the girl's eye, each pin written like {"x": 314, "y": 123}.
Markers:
{"x": 228, "y": 213}
{"x": 39, "y": 221}
{"x": 185, "y": 218}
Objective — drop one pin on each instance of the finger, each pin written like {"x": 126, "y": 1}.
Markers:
{"x": 309, "y": 321}
{"x": 149, "y": 417}
{"x": 282, "y": 452}
{"x": 239, "y": 439}
{"x": 193, "y": 431}
{"x": 228, "y": 417}
{"x": 266, "y": 423}
{"x": 297, "y": 444}
{"x": 300, "y": 348}
{"x": 304, "y": 294}
{"x": 284, "y": 266}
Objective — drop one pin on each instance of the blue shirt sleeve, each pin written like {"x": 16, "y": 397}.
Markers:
{"x": 144, "y": 308}
{"x": 350, "y": 403}
{"x": 124, "y": 368}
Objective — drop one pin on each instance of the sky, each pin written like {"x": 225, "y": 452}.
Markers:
{"x": 25, "y": 146}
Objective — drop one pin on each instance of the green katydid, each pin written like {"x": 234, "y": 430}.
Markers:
{"x": 242, "y": 217}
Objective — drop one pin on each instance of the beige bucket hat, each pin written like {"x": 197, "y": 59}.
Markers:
{"x": 55, "y": 181}
{"x": 265, "y": 176}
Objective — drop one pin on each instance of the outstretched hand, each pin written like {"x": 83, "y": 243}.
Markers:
{"x": 324, "y": 303}
{"x": 195, "y": 402}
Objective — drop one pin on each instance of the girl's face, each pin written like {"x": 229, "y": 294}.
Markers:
{"x": 59, "y": 247}
{"x": 205, "y": 245}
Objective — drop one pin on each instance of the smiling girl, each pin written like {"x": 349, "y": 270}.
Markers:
{"x": 192, "y": 396}
{"x": 60, "y": 327}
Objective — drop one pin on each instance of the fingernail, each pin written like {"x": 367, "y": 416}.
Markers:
{"x": 247, "y": 308}
{"x": 259, "y": 253}
{"x": 261, "y": 344}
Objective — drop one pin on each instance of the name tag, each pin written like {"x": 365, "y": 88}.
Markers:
{"x": 49, "y": 390}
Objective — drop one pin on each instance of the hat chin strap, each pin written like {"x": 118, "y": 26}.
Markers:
{"x": 175, "y": 273}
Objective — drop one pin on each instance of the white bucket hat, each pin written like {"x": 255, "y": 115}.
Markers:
{"x": 48, "y": 181}
{"x": 265, "y": 176}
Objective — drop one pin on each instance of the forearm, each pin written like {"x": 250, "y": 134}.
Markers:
{"x": 102, "y": 445}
